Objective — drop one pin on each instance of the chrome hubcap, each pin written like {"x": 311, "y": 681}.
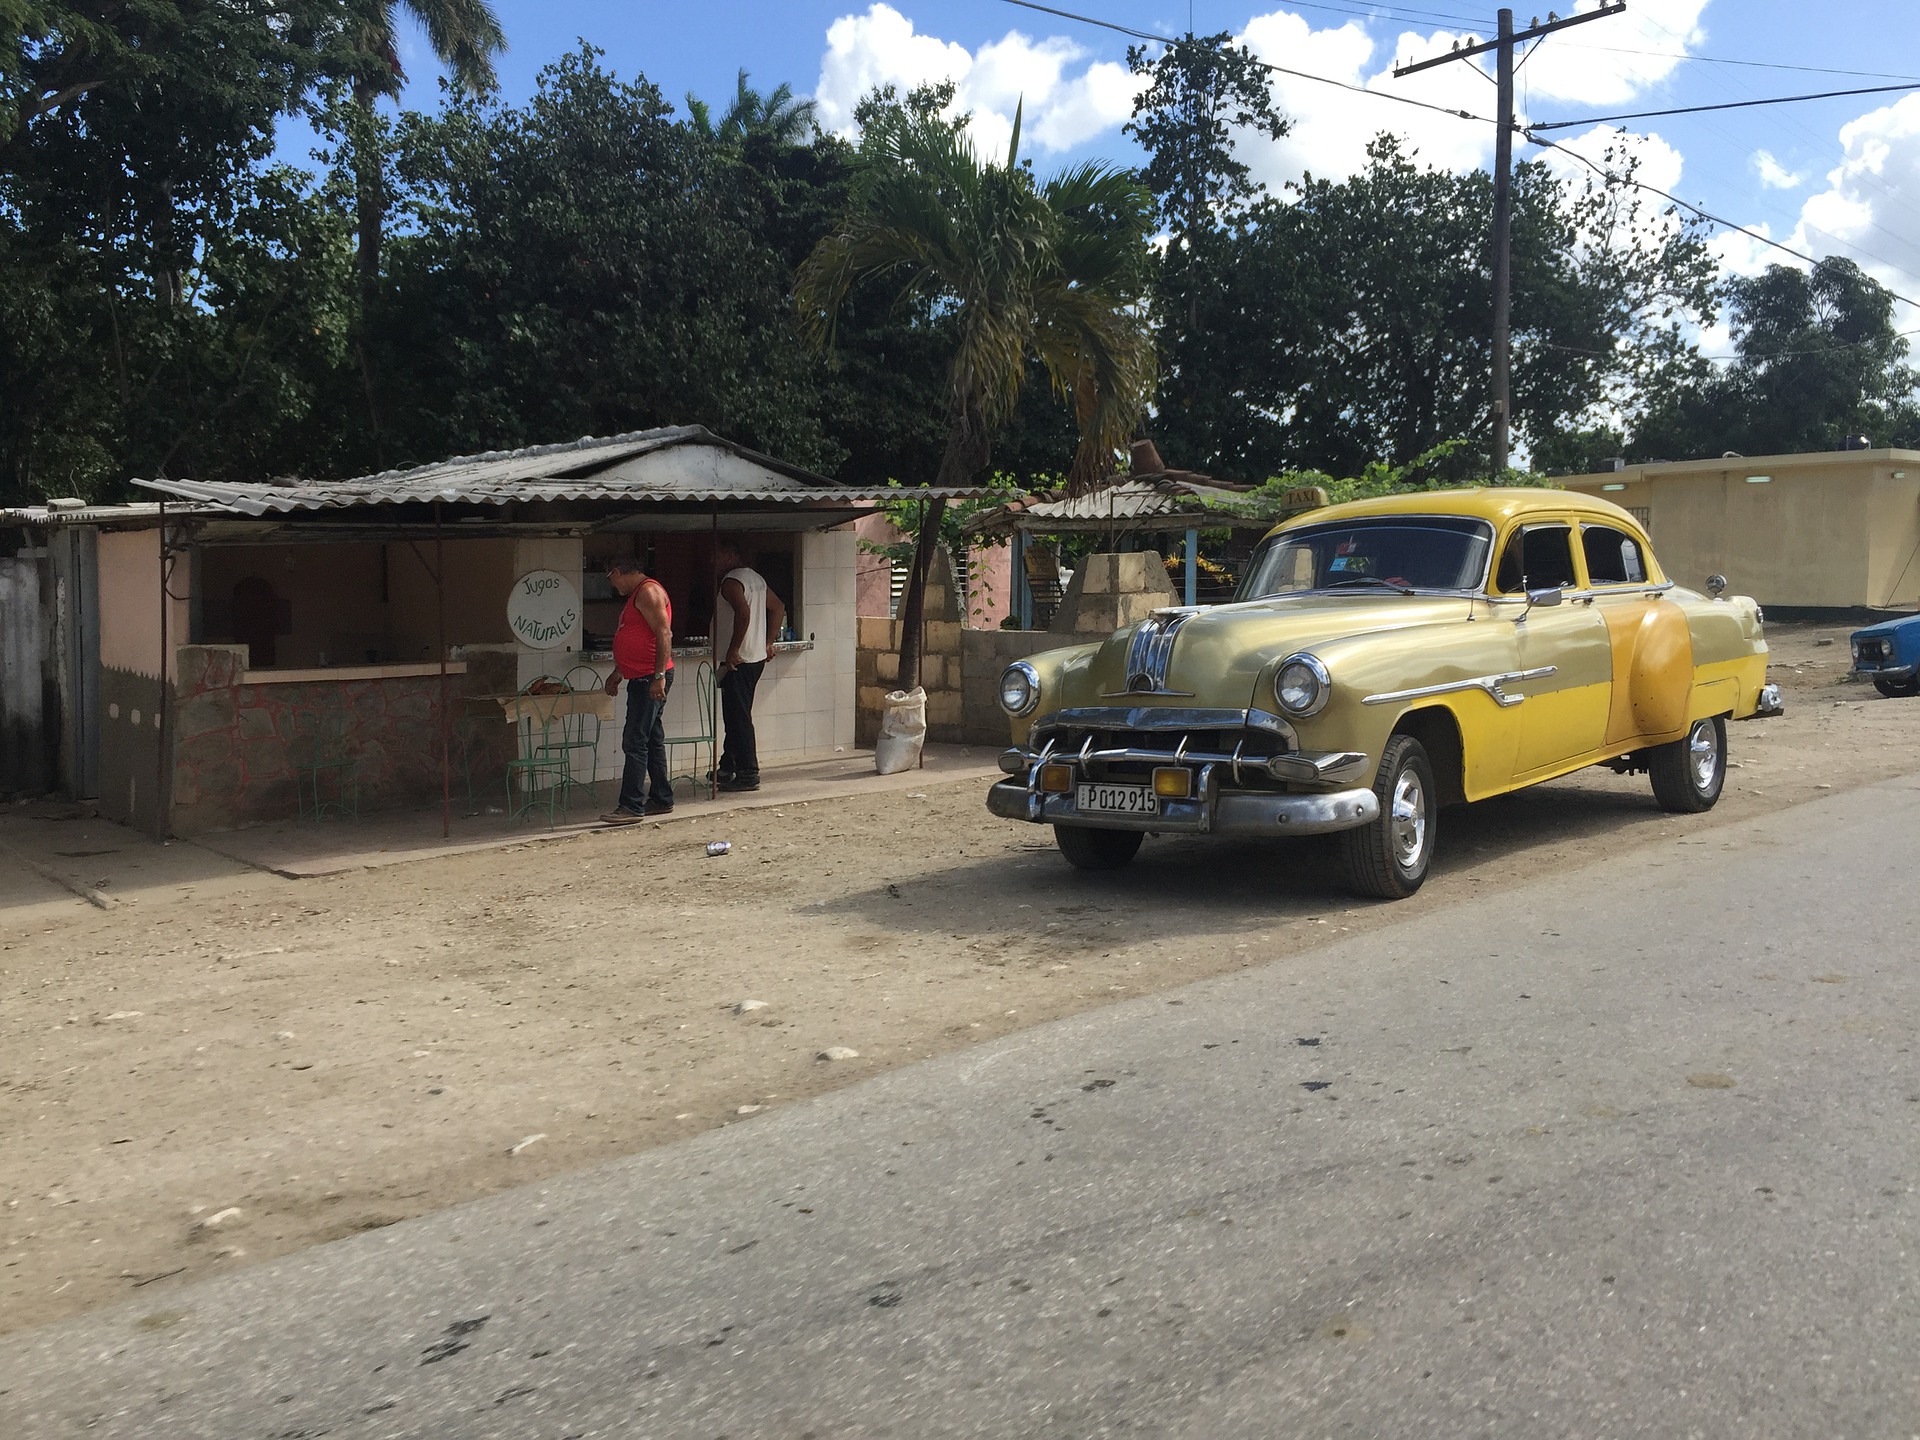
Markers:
{"x": 1409, "y": 813}
{"x": 1704, "y": 751}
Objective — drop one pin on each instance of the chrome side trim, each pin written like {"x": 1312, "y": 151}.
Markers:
{"x": 1492, "y": 684}
{"x": 1604, "y": 592}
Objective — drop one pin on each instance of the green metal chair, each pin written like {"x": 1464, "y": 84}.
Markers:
{"x": 540, "y": 759}
{"x": 706, "y": 697}
{"x": 573, "y": 733}
{"x": 320, "y": 749}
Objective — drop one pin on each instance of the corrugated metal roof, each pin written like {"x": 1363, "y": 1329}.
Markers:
{"x": 684, "y": 463}
{"x": 58, "y": 513}
{"x": 1142, "y": 504}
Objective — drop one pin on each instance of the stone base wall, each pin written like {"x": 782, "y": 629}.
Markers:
{"x": 130, "y": 739}
{"x": 238, "y": 748}
{"x": 1111, "y": 591}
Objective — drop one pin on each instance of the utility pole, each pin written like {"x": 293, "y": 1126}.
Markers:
{"x": 1506, "y": 37}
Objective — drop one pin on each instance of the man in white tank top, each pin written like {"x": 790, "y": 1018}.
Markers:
{"x": 746, "y": 621}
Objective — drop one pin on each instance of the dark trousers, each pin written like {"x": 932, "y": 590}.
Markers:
{"x": 739, "y": 755}
{"x": 644, "y": 742}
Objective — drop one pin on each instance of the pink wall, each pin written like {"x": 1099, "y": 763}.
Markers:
{"x": 989, "y": 577}
{"x": 130, "y": 602}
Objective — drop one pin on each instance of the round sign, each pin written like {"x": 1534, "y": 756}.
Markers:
{"x": 543, "y": 608}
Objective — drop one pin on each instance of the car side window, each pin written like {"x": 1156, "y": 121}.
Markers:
{"x": 1539, "y": 557}
{"x": 1613, "y": 556}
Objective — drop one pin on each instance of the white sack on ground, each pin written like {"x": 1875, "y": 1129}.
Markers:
{"x": 903, "y": 730}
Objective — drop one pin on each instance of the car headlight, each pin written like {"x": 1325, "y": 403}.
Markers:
{"x": 1302, "y": 685}
{"x": 1019, "y": 688}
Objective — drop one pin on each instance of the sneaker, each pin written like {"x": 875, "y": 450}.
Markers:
{"x": 621, "y": 817}
{"x": 738, "y": 783}
{"x": 654, "y": 807}
{"x": 719, "y": 777}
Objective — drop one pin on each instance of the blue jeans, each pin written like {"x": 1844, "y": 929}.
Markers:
{"x": 644, "y": 742}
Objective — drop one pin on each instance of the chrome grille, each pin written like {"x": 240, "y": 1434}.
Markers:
{"x": 1150, "y": 651}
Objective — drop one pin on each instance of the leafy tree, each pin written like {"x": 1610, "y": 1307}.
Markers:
{"x": 1818, "y": 360}
{"x": 1352, "y": 325}
{"x": 585, "y": 265}
{"x": 776, "y": 115}
{"x": 133, "y": 144}
{"x": 465, "y": 35}
{"x": 1026, "y": 270}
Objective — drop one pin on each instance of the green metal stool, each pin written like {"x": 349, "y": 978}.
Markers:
{"x": 540, "y": 758}
{"x": 706, "y": 698}
{"x": 320, "y": 751}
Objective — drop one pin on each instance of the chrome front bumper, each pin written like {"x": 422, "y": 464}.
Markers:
{"x": 1211, "y": 812}
{"x": 1769, "y": 702}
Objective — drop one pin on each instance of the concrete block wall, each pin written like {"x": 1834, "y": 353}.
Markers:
{"x": 960, "y": 668}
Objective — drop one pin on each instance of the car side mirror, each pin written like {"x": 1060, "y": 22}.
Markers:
{"x": 1553, "y": 596}
{"x": 1716, "y": 585}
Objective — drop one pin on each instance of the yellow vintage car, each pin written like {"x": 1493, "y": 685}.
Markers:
{"x": 1384, "y": 659}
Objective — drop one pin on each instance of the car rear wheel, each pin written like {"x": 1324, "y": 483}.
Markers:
{"x": 1687, "y": 774}
{"x": 1898, "y": 689}
{"x": 1089, "y": 849}
{"x": 1387, "y": 858}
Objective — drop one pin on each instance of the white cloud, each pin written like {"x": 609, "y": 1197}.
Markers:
{"x": 1773, "y": 174}
{"x": 1332, "y": 127}
{"x": 1062, "y": 110}
{"x": 1608, "y": 62}
{"x": 1870, "y": 209}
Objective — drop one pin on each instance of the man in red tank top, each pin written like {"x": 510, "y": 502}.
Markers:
{"x": 643, "y": 657}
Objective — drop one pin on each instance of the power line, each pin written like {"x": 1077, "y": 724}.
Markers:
{"x": 1749, "y": 64}
{"x": 1688, "y": 205}
{"x": 1728, "y": 105}
{"x": 1768, "y": 355}
{"x": 1262, "y": 64}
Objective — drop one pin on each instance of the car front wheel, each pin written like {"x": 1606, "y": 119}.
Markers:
{"x": 1387, "y": 858}
{"x": 1687, "y": 774}
{"x": 1898, "y": 689}
{"x": 1090, "y": 849}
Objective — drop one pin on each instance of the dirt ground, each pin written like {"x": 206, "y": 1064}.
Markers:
{"x": 331, "y": 1055}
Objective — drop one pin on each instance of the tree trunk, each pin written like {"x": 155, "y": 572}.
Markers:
{"x": 969, "y": 447}
{"x": 370, "y": 204}
{"x": 913, "y": 604}
{"x": 370, "y": 190}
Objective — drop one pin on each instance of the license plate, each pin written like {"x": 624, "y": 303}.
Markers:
{"x": 1117, "y": 800}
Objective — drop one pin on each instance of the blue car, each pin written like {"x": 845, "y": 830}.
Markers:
{"x": 1889, "y": 655}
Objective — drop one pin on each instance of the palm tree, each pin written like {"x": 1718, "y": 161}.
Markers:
{"x": 776, "y": 114}
{"x": 1051, "y": 271}
{"x": 464, "y": 35}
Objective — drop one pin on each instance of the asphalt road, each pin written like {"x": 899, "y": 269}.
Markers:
{"x": 1630, "y": 1153}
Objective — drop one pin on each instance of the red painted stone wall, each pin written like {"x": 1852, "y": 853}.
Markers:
{"x": 238, "y": 748}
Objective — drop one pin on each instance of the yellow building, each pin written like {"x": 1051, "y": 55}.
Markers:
{"x": 1806, "y": 535}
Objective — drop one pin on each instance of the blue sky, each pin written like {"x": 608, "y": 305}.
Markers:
{"x": 1831, "y": 176}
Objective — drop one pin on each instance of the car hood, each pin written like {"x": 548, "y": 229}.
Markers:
{"x": 1887, "y": 628}
{"x": 1218, "y": 654}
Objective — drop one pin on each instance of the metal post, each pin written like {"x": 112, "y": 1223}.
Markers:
{"x": 1502, "y": 243}
{"x": 1502, "y": 48}
{"x": 1193, "y": 568}
{"x": 162, "y": 791}
{"x": 446, "y": 727}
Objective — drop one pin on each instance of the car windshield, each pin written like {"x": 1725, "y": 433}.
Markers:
{"x": 1401, "y": 553}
